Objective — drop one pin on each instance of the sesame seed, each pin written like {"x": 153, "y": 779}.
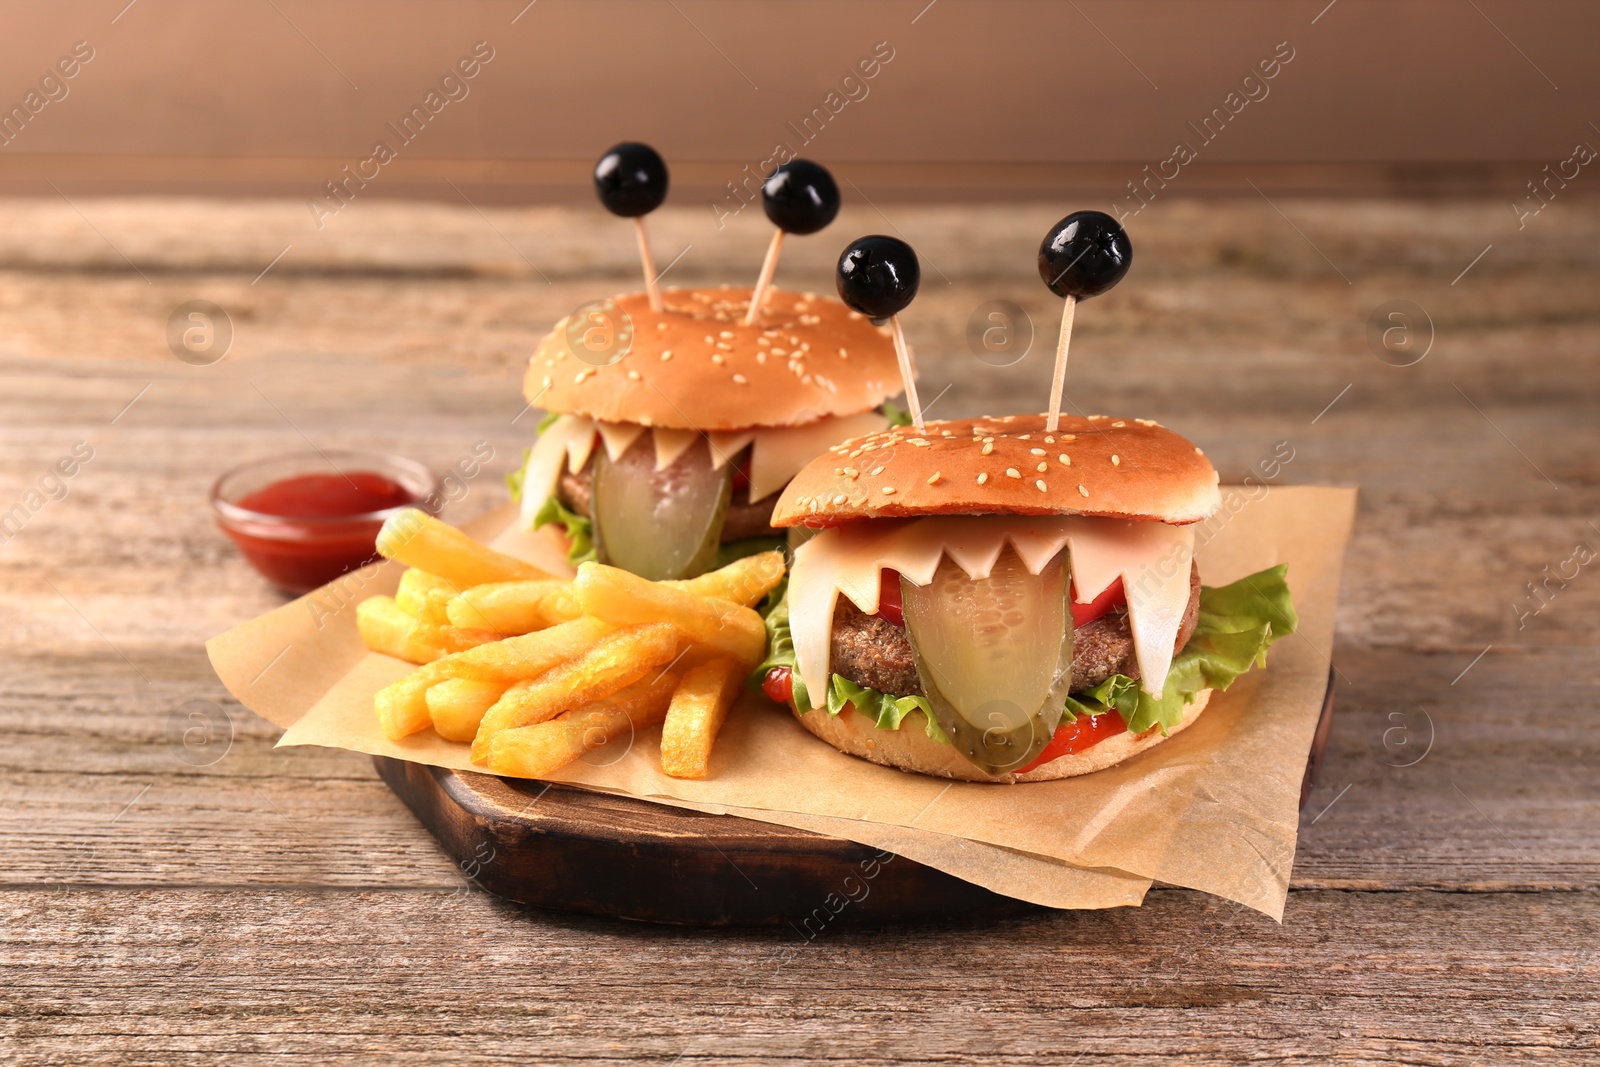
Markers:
{"x": 843, "y": 354}
{"x": 1042, "y": 467}
{"x": 877, "y": 471}
{"x": 710, "y": 340}
{"x": 1049, "y": 440}
{"x": 854, "y": 453}
{"x": 888, "y": 489}
{"x": 1198, "y": 452}
{"x": 983, "y": 477}
{"x": 1024, "y": 437}
{"x": 726, "y": 333}
{"x": 724, "y": 346}
{"x": 716, "y": 357}
{"x": 547, "y": 381}
{"x": 761, "y": 357}
{"x": 933, "y": 479}
{"x": 1037, "y": 451}
{"x": 1083, "y": 489}
{"x": 988, "y": 440}
{"x": 1040, "y": 485}
{"x": 661, "y": 326}
{"x": 839, "y": 499}
{"x": 780, "y": 351}
{"x": 851, "y": 472}
{"x": 1070, "y": 437}
{"x": 1012, "y": 472}
{"x": 1116, "y": 461}
{"x": 988, "y": 448}
{"x": 633, "y": 375}
{"x": 666, "y": 355}
{"x": 1119, "y": 424}
{"x": 741, "y": 379}
{"x": 1066, "y": 460}
{"x": 868, "y": 447}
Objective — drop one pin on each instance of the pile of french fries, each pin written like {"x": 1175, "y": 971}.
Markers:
{"x": 535, "y": 671}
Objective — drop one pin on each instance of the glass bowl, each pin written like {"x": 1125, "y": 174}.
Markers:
{"x": 299, "y": 553}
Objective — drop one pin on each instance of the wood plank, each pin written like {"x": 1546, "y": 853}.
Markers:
{"x": 414, "y": 976}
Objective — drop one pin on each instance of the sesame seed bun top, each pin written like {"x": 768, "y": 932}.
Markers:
{"x": 696, "y": 366}
{"x": 1115, "y": 468}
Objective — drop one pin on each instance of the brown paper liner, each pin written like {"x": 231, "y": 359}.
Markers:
{"x": 1215, "y": 808}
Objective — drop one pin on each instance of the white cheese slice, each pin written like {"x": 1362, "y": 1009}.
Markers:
{"x": 670, "y": 444}
{"x": 618, "y": 437}
{"x": 580, "y": 445}
{"x": 1153, "y": 561}
{"x": 1151, "y": 558}
{"x": 724, "y": 446}
{"x": 779, "y": 454}
{"x": 543, "y": 469}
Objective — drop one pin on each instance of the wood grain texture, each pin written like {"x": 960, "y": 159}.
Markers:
{"x": 166, "y": 901}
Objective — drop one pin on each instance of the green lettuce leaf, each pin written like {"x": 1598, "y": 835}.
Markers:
{"x": 514, "y": 479}
{"x": 580, "y": 530}
{"x": 897, "y": 415}
{"x": 1236, "y": 625}
{"x": 548, "y": 420}
{"x": 887, "y": 710}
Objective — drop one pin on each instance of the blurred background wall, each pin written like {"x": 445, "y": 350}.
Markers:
{"x": 954, "y": 99}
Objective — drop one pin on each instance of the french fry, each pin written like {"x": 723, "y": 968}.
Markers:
{"x": 615, "y": 662}
{"x": 524, "y": 656}
{"x": 403, "y": 707}
{"x": 419, "y": 540}
{"x": 513, "y": 607}
{"x": 698, "y": 710}
{"x": 387, "y": 629}
{"x": 619, "y": 597}
{"x": 456, "y": 706}
{"x": 425, "y": 596}
{"x": 542, "y": 749}
{"x": 744, "y": 581}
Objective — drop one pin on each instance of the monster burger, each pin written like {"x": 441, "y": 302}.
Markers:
{"x": 992, "y": 601}
{"x": 676, "y": 415}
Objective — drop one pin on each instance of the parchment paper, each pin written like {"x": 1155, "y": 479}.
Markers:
{"x": 1215, "y": 808}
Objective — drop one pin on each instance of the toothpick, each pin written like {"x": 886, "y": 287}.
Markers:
{"x": 1060, "y": 381}
{"x": 769, "y": 267}
{"x": 907, "y": 372}
{"x": 649, "y": 264}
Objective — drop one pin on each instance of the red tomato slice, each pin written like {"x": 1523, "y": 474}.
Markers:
{"x": 1084, "y": 732}
{"x": 778, "y": 684}
{"x": 1113, "y": 597}
{"x": 889, "y": 597}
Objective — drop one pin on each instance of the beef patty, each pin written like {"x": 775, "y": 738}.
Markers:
{"x": 744, "y": 518}
{"x": 877, "y": 654}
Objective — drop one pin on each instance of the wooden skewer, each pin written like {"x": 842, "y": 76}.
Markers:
{"x": 769, "y": 267}
{"x": 1060, "y": 381}
{"x": 649, "y": 264}
{"x": 907, "y": 371}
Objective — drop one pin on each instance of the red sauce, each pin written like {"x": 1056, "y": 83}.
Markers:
{"x": 779, "y": 685}
{"x": 1084, "y": 732}
{"x": 300, "y": 556}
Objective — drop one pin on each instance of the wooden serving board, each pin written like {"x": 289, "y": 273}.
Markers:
{"x": 573, "y": 850}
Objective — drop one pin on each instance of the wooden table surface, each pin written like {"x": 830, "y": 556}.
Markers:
{"x": 180, "y": 892}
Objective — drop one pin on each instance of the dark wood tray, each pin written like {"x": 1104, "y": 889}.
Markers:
{"x": 599, "y": 854}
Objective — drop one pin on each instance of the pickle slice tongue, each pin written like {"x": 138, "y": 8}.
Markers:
{"x": 659, "y": 524}
{"x": 994, "y": 656}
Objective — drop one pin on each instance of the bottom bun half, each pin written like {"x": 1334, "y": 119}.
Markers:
{"x": 911, "y": 749}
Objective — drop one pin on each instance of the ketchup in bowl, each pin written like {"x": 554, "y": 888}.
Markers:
{"x": 303, "y": 520}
